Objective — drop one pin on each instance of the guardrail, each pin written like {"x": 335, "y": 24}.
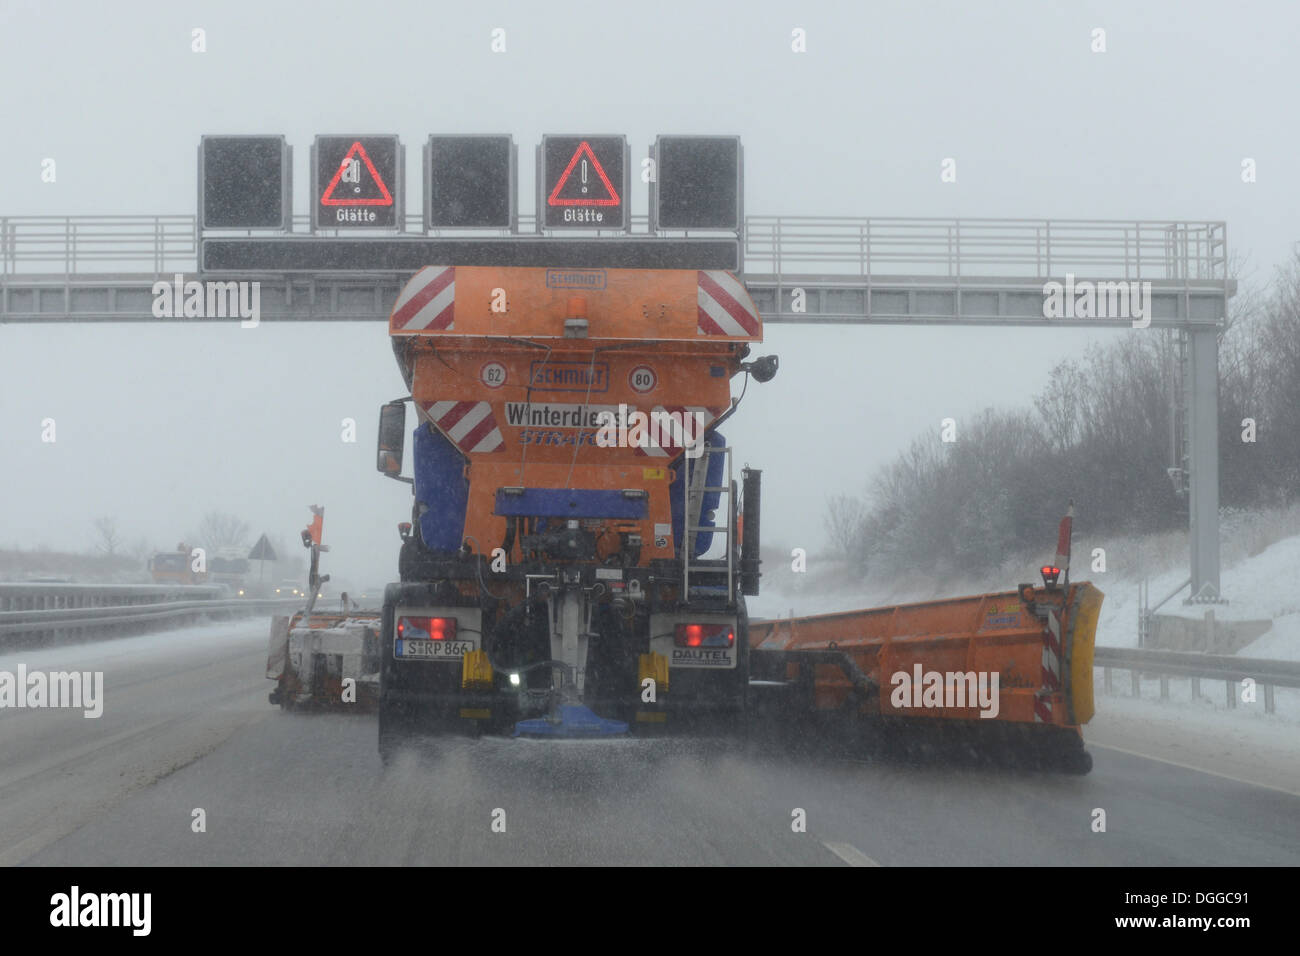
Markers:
{"x": 40, "y": 596}
{"x": 32, "y": 614}
{"x": 1166, "y": 251}
{"x": 1267, "y": 674}
{"x": 149, "y": 243}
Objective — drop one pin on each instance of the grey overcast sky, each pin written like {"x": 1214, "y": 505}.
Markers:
{"x": 157, "y": 424}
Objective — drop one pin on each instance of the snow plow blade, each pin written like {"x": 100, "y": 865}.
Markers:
{"x": 325, "y": 660}
{"x": 1006, "y": 670}
{"x": 320, "y": 659}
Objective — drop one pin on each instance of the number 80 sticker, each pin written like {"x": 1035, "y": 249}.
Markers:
{"x": 492, "y": 374}
{"x": 642, "y": 379}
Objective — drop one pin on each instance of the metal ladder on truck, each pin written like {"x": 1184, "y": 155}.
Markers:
{"x": 693, "y": 491}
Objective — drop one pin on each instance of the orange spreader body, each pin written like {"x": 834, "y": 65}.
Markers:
{"x": 490, "y": 365}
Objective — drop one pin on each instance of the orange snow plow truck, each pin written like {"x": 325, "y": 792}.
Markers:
{"x": 574, "y": 567}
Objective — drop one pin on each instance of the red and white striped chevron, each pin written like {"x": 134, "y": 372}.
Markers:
{"x": 668, "y": 439}
{"x": 725, "y": 308}
{"x": 427, "y": 302}
{"x": 471, "y": 426}
{"x": 1042, "y": 709}
{"x": 1062, "y": 559}
{"x": 1051, "y": 667}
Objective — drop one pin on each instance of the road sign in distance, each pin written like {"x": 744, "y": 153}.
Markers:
{"x": 245, "y": 182}
{"x": 469, "y": 182}
{"x": 697, "y": 182}
{"x": 584, "y": 182}
{"x": 357, "y": 182}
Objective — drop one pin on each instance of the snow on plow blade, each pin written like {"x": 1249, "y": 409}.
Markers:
{"x": 325, "y": 660}
{"x": 1012, "y": 666}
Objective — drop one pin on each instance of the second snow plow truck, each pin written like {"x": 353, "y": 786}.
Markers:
{"x": 573, "y": 565}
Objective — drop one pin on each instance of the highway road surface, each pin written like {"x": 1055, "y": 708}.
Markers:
{"x": 186, "y": 727}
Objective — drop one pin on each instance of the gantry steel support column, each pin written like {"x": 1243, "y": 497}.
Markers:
{"x": 1203, "y": 426}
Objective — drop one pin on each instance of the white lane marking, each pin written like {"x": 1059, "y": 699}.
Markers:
{"x": 850, "y": 854}
{"x": 1187, "y": 766}
{"x": 77, "y": 753}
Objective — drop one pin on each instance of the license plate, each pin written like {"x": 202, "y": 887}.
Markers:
{"x": 424, "y": 650}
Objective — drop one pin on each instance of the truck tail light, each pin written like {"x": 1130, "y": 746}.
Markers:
{"x": 426, "y": 628}
{"x": 704, "y": 635}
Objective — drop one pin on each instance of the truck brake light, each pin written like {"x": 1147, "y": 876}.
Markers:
{"x": 704, "y": 635}
{"x": 426, "y": 628}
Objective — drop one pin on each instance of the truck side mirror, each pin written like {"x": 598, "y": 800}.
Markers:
{"x": 392, "y": 438}
{"x": 763, "y": 369}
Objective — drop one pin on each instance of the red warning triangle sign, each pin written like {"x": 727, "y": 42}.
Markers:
{"x": 585, "y": 188}
{"x": 356, "y": 189}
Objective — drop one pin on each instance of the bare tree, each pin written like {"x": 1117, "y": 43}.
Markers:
{"x": 221, "y": 530}
{"x": 1059, "y": 405}
{"x": 1279, "y": 372}
{"x": 140, "y": 548}
{"x": 1099, "y": 434}
{"x": 109, "y": 537}
{"x": 844, "y": 517}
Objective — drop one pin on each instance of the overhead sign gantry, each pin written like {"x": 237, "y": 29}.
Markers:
{"x": 798, "y": 269}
